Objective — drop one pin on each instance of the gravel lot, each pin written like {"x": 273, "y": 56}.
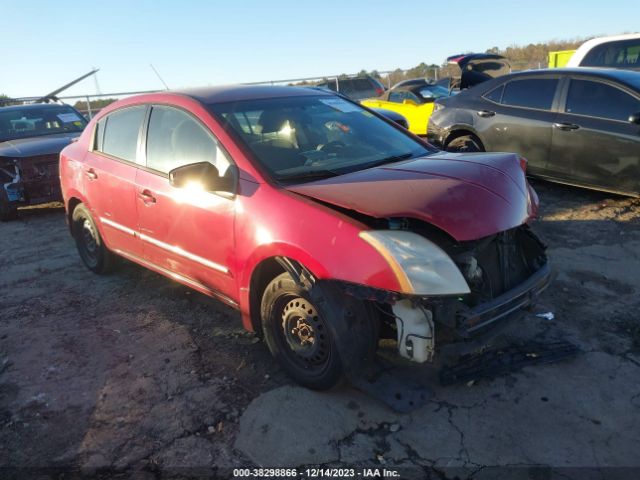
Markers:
{"x": 136, "y": 374}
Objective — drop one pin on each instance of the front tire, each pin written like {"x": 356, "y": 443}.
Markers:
{"x": 93, "y": 252}
{"x": 300, "y": 331}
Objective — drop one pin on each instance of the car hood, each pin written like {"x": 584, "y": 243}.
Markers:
{"x": 32, "y": 146}
{"x": 469, "y": 196}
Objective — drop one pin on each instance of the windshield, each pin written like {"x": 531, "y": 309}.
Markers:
{"x": 433, "y": 92}
{"x": 35, "y": 121}
{"x": 306, "y": 138}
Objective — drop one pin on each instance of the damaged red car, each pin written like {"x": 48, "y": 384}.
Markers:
{"x": 327, "y": 226}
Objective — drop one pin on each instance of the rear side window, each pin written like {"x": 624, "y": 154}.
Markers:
{"x": 495, "y": 95}
{"x": 331, "y": 85}
{"x": 531, "y": 93}
{"x": 175, "y": 139}
{"x": 121, "y": 130}
{"x": 597, "y": 99}
{"x": 362, "y": 84}
{"x": 620, "y": 54}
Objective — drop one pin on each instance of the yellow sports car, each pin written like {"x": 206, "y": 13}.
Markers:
{"x": 413, "y": 99}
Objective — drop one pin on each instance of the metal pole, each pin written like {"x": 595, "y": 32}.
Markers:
{"x": 89, "y": 112}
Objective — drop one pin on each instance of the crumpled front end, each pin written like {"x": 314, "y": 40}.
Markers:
{"x": 453, "y": 230}
{"x": 505, "y": 273}
{"x": 502, "y": 274}
{"x": 30, "y": 180}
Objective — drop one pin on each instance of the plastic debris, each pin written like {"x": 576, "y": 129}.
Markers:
{"x": 546, "y": 315}
{"x": 505, "y": 360}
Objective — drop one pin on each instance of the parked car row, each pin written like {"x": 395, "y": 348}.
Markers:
{"x": 327, "y": 223}
{"x": 414, "y": 99}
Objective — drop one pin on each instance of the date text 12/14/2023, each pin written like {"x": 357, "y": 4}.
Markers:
{"x": 315, "y": 473}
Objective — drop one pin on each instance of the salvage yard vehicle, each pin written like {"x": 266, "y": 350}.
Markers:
{"x": 616, "y": 51}
{"x": 475, "y": 68}
{"x": 327, "y": 225}
{"x": 413, "y": 100}
{"x": 393, "y": 116}
{"x": 577, "y": 126}
{"x": 355, "y": 88}
{"x": 31, "y": 137}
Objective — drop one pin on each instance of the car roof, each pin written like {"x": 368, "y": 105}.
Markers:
{"x": 233, "y": 93}
{"x": 587, "y": 46}
{"x": 411, "y": 82}
{"x": 628, "y": 77}
{"x": 415, "y": 87}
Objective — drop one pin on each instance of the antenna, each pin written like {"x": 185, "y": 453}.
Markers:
{"x": 95, "y": 79}
{"x": 52, "y": 95}
{"x": 158, "y": 75}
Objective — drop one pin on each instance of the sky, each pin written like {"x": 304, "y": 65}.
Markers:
{"x": 46, "y": 44}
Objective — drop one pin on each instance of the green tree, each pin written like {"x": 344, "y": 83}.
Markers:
{"x": 96, "y": 105}
{"x": 5, "y": 100}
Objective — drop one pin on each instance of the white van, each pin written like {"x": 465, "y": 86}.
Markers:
{"x": 618, "y": 51}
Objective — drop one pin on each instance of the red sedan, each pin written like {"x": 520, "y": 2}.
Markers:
{"x": 326, "y": 225}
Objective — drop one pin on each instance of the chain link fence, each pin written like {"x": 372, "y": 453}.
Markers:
{"x": 90, "y": 104}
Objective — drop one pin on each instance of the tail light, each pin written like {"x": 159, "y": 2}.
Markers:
{"x": 379, "y": 91}
{"x": 523, "y": 164}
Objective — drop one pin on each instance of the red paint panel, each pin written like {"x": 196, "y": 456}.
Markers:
{"x": 469, "y": 197}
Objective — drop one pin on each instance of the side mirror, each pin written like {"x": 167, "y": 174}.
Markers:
{"x": 203, "y": 176}
{"x": 635, "y": 118}
{"x": 407, "y": 101}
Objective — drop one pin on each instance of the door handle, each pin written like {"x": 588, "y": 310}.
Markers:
{"x": 486, "y": 113}
{"x": 147, "y": 197}
{"x": 91, "y": 174}
{"x": 566, "y": 126}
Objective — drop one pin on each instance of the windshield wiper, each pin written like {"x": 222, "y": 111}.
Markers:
{"x": 309, "y": 175}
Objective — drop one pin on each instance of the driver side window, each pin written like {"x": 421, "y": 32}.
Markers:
{"x": 175, "y": 138}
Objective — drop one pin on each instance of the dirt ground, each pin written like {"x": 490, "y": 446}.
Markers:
{"x": 133, "y": 374}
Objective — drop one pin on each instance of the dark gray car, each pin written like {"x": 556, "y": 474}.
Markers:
{"x": 356, "y": 88}
{"x": 577, "y": 126}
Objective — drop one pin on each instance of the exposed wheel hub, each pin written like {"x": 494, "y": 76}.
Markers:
{"x": 304, "y": 331}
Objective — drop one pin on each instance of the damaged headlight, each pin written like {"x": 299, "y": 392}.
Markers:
{"x": 421, "y": 267}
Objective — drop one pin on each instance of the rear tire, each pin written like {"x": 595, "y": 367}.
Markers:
{"x": 7, "y": 210}
{"x": 299, "y": 329}
{"x": 465, "y": 143}
{"x": 93, "y": 252}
